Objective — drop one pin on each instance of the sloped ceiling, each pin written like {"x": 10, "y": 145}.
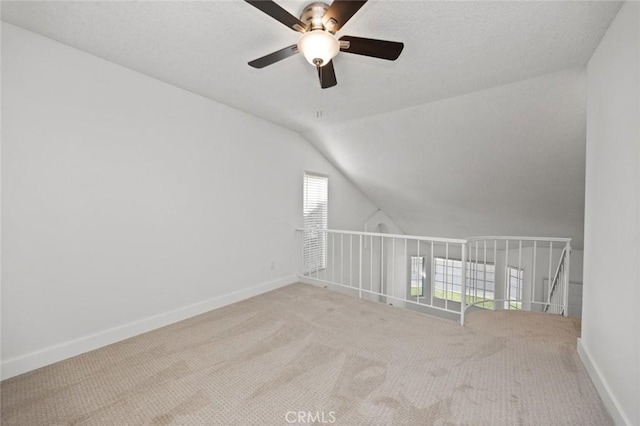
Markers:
{"x": 477, "y": 127}
{"x": 502, "y": 161}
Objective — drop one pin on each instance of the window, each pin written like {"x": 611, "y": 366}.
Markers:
{"x": 417, "y": 275}
{"x": 514, "y": 288}
{"x": 448, "y": 273}
{"x": 480, "y": 281}
{"x": 315, "y": 213}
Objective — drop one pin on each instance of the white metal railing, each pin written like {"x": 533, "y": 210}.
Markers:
{"x": 521, "y": 266}
{"x": 433, "y": 273}
{"x": 558, "y": 288}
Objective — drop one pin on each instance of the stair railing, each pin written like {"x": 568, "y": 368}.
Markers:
{"x": 557, "y": 299}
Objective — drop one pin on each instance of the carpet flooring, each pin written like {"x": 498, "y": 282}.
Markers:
{"x": 308, "y": 355}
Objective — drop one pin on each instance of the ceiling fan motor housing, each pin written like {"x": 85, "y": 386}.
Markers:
{"x": 318, "y": 44}
{"x": 312, "y": 16}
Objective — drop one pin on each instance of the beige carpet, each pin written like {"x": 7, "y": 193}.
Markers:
{"x": 307, "y": 349}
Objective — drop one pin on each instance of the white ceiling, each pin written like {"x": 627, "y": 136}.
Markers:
{"x": 464, "y": 55}
{"x": 502, "y": 161}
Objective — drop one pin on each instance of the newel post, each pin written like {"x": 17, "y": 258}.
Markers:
{"x": 463, "y": 296}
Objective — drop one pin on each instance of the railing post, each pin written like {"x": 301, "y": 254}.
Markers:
{"x": 463, "y": 298}
{"x": 407, "y": 283}
{"x": 326, "y": 249}
{"x": 371, "y": 266}
{"x": 507, "y": 276}
{"x": 382, "y": 265}
{"x": 520, "y": 276}
{"x": 360, "y": 267}
{"x": 432, "y": 281}
{"x": 333, "y": 257}
{"x": 532, "y": 286}
{"x": 421, "y": 268}
{"x": 393, "y": 265}
{"x": 350, "y": 260}
{"x": 303, "y": 257}
{"x": 495, "y": 263}
{"x": 446, "y": 276}
{"x": 567, "y": 264}
{"x": 550, "y": 283}
{"x": 341, "y": 258}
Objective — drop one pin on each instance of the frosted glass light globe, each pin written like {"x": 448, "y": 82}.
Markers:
{"x": 318, "y": 47}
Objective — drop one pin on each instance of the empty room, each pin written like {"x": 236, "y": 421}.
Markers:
{"x": 257, "y": 212}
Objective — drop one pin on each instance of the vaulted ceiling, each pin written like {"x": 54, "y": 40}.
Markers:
{"x": 478, "y": 127}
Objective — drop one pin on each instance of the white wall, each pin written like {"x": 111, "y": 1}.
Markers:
{"x": 125, "y": 201}
{"x": 611, "y": 317}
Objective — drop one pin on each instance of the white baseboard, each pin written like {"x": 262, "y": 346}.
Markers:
{"x": 15, "y": 366}
{"x": 609, "y": 400}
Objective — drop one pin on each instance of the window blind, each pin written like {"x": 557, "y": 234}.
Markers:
{"x": 315, "y": 213}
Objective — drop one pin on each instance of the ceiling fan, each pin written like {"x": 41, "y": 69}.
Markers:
{"x": 318, "y": 24}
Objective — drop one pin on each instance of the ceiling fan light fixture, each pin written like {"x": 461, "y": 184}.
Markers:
{"x": 318, "y": 47}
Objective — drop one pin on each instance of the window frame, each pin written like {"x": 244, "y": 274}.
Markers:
{"x": 515, "y": 304}
{"x": 447, "y": 291}
{"x": 422, "y": 278}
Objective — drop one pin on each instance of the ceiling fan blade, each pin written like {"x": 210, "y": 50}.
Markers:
{"x": 327, "y": 76}
{"x": 340, "y": 12}
{"x": 274, "y": 57}
{"x": 272, "y": 9}
{"x": 382, "y": 49}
